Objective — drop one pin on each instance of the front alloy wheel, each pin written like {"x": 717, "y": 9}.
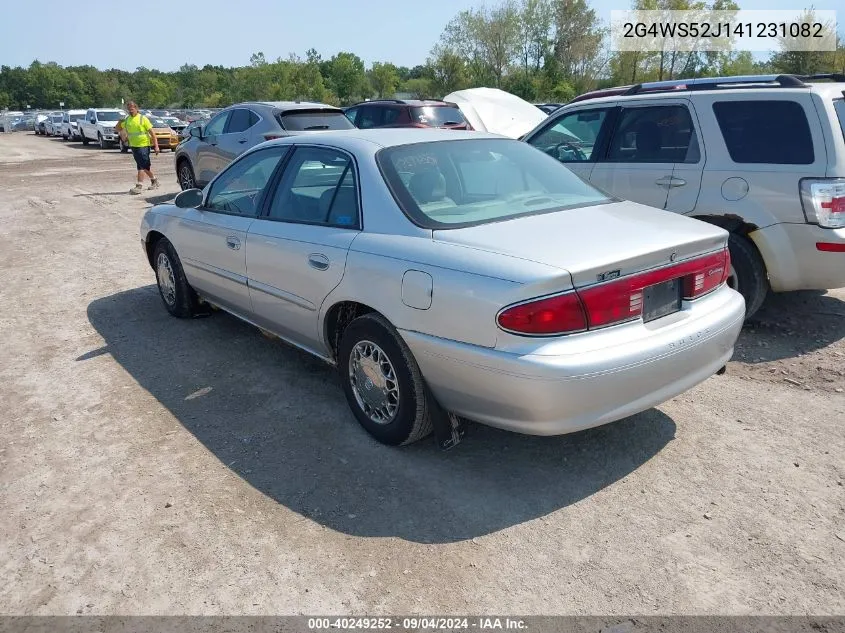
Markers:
{"x": 166, "y": 280}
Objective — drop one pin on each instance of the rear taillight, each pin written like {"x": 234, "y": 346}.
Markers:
{"x": 561, "y": 314}
{"x": 613, "y": 302}
{"x": 824, "y": 201}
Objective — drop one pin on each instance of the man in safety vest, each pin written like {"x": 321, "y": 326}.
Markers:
{"x": 136, "y": 130}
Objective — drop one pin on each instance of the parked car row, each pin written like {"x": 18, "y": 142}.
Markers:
{"x": 98, "y": 125}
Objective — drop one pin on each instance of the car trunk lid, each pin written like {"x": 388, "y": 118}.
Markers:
{"x": 595, "y": 243}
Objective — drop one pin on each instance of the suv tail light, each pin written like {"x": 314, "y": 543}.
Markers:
{"x": 824, "y": 201}
{"x": 613, "y": 302}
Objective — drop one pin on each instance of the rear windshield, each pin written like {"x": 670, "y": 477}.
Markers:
{"x": 109, "y": 116}
{"x": 449, "y": 184}
{"x": 437, "y": 115}
{"x": 839, "y": 106}
{"x": 303, "y": 120}
{"x": 768, "y": 132}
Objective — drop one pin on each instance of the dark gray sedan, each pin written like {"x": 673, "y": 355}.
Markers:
{"x": 211, "y": 147}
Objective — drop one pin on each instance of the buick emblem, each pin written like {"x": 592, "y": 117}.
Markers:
{"x": 673, "y": 257}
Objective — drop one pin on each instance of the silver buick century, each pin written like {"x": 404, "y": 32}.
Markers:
{"x": 453, "y": 274}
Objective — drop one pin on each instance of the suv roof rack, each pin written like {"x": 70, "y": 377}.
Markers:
{"x": 712, "y": 83}
{"x": 837, "y": 77}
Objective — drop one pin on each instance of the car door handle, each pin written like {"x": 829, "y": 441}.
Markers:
{"x": 670, "y": 182}
{"x": 242, "y": 141}
{"x": 233, "y": 242}
{"x": 318, "y": 261}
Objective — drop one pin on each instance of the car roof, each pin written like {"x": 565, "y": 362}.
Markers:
{"x": 384, "y": 137}
{"x": 288, "y": 105}
{"x": 410, "y": 102}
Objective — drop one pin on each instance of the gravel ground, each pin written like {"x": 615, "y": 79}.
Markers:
{"x": 157, "y": 466}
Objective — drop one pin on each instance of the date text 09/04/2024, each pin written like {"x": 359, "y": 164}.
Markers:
{"x": 417, "y": 623}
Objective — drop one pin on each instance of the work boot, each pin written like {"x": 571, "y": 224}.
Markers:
{"x": 137, "y": 189}
{"x": 154, "y": 183}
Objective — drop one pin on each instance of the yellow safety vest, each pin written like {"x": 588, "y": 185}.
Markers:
{"x": 136, "y": 130}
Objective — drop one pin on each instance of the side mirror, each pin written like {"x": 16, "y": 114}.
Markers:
{"x": 189, "y": 199}
{"x": 196, "y": 132}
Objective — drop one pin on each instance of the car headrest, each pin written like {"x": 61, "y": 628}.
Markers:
{"x": 427, "y": 186}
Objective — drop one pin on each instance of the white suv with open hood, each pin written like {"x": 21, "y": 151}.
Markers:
{"x": 761, "y": 156}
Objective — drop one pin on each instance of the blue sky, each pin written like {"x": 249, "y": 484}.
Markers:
{"x": 227, "y": 32}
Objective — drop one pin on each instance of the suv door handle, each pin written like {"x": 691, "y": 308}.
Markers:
{"x": 243, "y": 140}
{"x": 670, "y": 181}
{"x": 233, "y": 242}
{"x": 318, "y": 261}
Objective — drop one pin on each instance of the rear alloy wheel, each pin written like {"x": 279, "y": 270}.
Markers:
{"x": 383, "y": 383}
{"x": 748, "y": 273}
{"x": 176, "y": 293}
{"x": 186, "y": 176}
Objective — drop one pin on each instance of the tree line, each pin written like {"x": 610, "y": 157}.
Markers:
{"x": 541, "y": 50}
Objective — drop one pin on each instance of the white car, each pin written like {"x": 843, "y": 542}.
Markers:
{"x": 54, "y": 125}
{"x": 70, "y": 124}
{"x": 450, "y": 271}
{"x": 761, "y": 156}
{"x": 98, "y": 125}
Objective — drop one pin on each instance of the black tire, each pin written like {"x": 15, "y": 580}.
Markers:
{"x": 412, "y": 419}
{"x": 749, "y": 276}
{"x": 124, "y": 148}
{"x": 184, "y": 302}
{"x": 185, "y": 173}
{"x": 83, "y": 138}
{"x": 101, "y": 141}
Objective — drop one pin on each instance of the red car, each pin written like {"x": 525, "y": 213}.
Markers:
{"x": 407, "y": 113}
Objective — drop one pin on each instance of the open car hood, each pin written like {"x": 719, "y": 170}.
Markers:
{"x": 497, "y": 111}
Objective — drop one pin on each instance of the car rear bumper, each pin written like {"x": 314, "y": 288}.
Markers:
{"x": 561, "y": 388}
{"x": 794, "y": 259}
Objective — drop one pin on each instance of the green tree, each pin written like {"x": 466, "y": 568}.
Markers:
{"x": 384, "y": 78}
{"x": 348, "y": 77}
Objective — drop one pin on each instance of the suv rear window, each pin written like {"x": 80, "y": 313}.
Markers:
{"x": 770, "y": 132}
{"x": 437, "y": 115}
{"x": 302, "y": 120}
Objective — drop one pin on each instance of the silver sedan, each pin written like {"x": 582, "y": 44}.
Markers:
{"x": 453, "y": 275}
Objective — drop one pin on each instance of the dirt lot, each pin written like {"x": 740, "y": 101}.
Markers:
{"x": 151, "y": 465}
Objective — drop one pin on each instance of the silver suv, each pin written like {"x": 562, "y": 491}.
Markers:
{"x": 760, "y": 156}
{"x": 211, "y": 147}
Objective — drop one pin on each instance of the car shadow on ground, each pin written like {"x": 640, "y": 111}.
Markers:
{"x": 791, "y": 324}
{"x": 278, "y": 418}
{"x": 167, "y": 197}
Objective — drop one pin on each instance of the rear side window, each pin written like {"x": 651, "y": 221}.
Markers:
{"x": 839, "y": 106}
{"x": 770, "y": 132}
{"x": 654, "y": 134}
{"x": 305, "y": 120}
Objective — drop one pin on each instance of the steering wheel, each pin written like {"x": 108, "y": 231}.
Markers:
{"x": 554, "y": 151}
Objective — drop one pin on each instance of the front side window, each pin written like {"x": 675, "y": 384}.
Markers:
{"x": 772, "y": 132}
{"x": 216, "y": 126}
{"x": 654, "y": 134}
{"x": 370, "y": 117}
{"x": 447, "y": 184}
{"x": 238, "y": 189}
{"x": 240, "y": 121}
{"x": 572, "y": 137}
{"x": 318, "y": 187}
